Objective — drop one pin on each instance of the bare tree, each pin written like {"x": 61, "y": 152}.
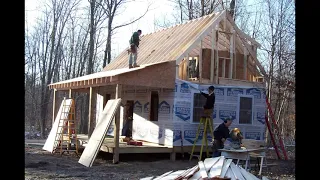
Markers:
{"x": 111, "y": 8}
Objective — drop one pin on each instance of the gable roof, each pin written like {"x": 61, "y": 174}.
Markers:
{"x": 166, "y": 44}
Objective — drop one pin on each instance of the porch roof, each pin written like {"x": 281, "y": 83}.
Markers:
{"x": 97, "y": 79}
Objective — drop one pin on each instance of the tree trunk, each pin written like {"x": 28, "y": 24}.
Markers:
{"x": 92, "y": 36}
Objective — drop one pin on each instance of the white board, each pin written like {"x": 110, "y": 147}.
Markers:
{"x": 209, "y": 162}
{"x": 230, "y": 174}
{"x": 247, "y": 175}
{"x": 225, "y": 167}
{"x": 50, "y": 142}
{"x": 172, "y": 175}
{"x": 90, "y": 152}
{"x": 236, "y": 171}
{"x": 216, "y": 168}
{"x": 202, "y": 170}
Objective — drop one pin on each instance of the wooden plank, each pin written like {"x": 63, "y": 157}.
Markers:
{"x": 117, "y": 127}
{"x": 236, "y": 171}
{"x": 216, "y": 20}
{"x": 172, "y": 175}
{"x": 231, "y": 56}
{"x": 245, "y": 60}
{"x": 216, "y": 77}
{"x": 200, "y": 62}
{"x": 225, "y": 167}
{"x": 251, "y": 175}
{"x": 245, "y": 174}
{"x": 50, "y": 142}
{"x": 234, "y": 57}
{"x": 209, "y": 162}
{"x": 230, "y": 174}
{"x": 188, "y": 67}
{"x": 185, "y": 173}
{"x": 192, "y": 172}
{"x": 202, "y": 170}
{"x": 163, "y": 175}
{"x": 223, "y": 67}
{"x": 99, "y": 133}
{"x": 213, "y": 37}
{"x": 242, "y": 34}
{"x": 216, "y": 169}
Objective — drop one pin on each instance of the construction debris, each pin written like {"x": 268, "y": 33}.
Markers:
{"x": 218, "y": 168}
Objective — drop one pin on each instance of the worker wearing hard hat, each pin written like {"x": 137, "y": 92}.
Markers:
{"x": 220, "y": 134}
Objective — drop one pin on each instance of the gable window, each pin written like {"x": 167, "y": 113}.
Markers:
{"x": 245, "y": 110}
{"x": 198, "y": 102}
{"x": 193, "y": 68}
{"x": 154, "y": 106}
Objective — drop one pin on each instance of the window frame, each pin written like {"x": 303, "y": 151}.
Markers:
{"x": 193, "y": 107}
{"x": 252, "y": 109}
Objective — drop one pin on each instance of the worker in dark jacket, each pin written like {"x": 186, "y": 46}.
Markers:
{"x": 220, "y": 134}
{"x": 134, "y": 44}
{"x": 208, "y": 107}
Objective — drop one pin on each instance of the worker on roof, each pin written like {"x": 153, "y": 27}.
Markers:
{"x": 220, "y": 134}
{"x": 134, "y": 44}
{"x": 208, "y": 107}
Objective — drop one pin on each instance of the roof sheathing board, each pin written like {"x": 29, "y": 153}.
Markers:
{"x": 163, "y": 48}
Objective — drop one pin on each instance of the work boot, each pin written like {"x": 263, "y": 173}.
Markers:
{"x": 130, "y": 66}
{"x": 135, "y": 65}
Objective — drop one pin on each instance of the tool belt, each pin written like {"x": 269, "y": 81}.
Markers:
{"x": 133, "y": 48}
{"x": 208, "y": 112}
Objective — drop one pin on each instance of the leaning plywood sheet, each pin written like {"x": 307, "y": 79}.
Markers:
{"x": 57, "y": 128}
{"x": 99, "y": 133}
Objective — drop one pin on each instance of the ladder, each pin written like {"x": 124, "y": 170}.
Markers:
{"x": 68, "y": 134}
{"x": 277, "y": 140}
{"x": 205, "y": 122}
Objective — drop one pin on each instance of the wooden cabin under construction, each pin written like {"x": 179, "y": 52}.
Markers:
{"x": 210, "y": 50}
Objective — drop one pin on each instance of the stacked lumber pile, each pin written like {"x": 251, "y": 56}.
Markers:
{"x": 217, "y": 168}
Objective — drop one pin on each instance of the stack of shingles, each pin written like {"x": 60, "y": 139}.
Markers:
{"x": 217, "y": 168}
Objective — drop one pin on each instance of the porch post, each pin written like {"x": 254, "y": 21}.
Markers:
{"x": 92, "y": 102}
{"x": 117, "y": 127}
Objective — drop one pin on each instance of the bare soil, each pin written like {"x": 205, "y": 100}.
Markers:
{"x": 43, "y": 165}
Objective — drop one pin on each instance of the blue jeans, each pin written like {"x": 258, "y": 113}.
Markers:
{"x": 133, "y": 57}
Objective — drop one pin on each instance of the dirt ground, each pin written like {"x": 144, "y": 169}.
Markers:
{"x": 42, "y": 165}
